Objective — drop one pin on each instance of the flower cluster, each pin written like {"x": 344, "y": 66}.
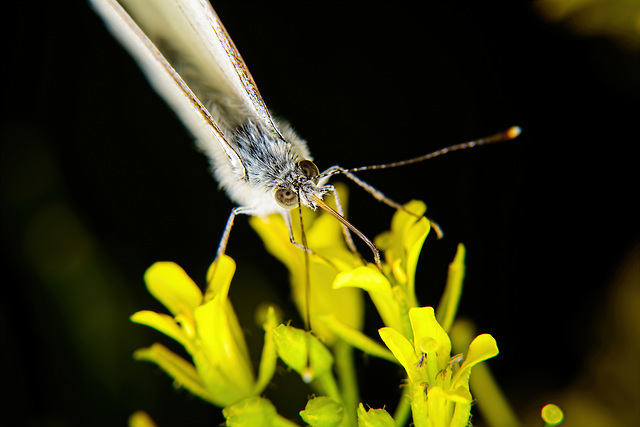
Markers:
{"x": 436, "y": 389}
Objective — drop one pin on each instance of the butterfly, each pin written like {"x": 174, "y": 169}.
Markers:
{"x": 259, "y": 161}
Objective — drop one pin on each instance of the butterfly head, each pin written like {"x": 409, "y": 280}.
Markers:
{"x": 301, "y": 188}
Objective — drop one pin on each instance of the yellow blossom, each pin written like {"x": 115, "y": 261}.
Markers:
{"x": 438, "y": 384}
{"x": 325, "y": 238}
{"x": 402, "y": 245}
{"x": 437, "y": 387}
{"x": 208, "y": 329}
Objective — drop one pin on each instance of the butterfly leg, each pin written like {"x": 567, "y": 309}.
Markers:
{"x": 287, "y": 220}
{"x": 222, "y": 246}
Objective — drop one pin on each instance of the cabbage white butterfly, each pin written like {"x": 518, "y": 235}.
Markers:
{"x": 261, "y": 163}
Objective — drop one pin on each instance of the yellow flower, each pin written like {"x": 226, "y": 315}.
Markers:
{"x": 393, "y": 292}
{"x": 402, "y": 245}
{"x": 438, "y": 385}
{"x": 208, "y": 329}
{"x": 325, "y": 237}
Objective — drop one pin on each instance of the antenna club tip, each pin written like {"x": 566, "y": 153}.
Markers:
{"x": 514, "y": 131}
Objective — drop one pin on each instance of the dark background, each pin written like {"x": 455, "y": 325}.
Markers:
{"x": 100, "y": 179}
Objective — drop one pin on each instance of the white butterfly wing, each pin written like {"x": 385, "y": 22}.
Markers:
{"x": 189, "y": 59}
{"x": 214, "y": 91}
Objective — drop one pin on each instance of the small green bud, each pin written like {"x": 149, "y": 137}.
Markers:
{"x": 374, "y": 418}
{"x": 292, "y": 345}
{"x": 253, "y": 411}
{"x": 322, "y": 411}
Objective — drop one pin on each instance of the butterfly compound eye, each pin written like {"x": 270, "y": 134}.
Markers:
{"x": 309, "y": 170}
{"x": 286, "y": 198}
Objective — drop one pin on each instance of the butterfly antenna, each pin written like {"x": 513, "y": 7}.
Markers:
{"x": 505, "y": 135}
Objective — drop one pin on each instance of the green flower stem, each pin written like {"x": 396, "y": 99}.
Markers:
{"x": 280, "y": 421}
{"x": 492, "y": 403}
{"x": 401, "y": 415}
{"x": 343, "y": 354}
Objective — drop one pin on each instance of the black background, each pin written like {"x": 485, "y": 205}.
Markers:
{"x": 100, "y": 179}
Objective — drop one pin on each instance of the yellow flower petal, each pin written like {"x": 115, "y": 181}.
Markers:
{"x": 269, "y": 354}
{"x": 459, "y": 395}
{"x": 403, "y": 351}
{"x": 223, "y": 360}
{"x": 402, "y": 245}
{"x": 346, "y": 303}
{"x": 177, "y": 368}
{"x": 219, "y": 277}
{"x": 170, "y": 285}
{"x": 379, "y": 289}
{"x": 483, "y": 347}
{"x": 414, "y": 239}
{"x": 462, "y": 412}
{"x": 427, "y": 329}
{"x": 163, "y": 323}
